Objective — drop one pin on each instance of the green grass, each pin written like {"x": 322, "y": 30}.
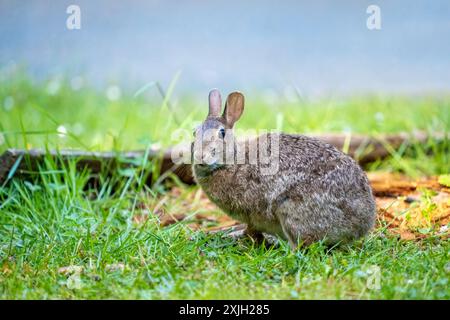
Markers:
{"x": 54, "y": 220}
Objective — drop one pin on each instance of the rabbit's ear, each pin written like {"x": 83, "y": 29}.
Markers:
{"x": 215, "y": 103}
{"x": 233, "y": 108}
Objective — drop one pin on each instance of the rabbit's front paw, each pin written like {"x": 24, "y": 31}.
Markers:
{"x": 247, "y": 232}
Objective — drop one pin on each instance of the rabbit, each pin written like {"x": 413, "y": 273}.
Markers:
{"x": 317, "y": 194}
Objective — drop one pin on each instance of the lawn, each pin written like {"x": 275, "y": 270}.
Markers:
{"x": 61, "y": 239}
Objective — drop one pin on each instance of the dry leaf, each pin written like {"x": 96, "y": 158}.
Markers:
{"x": 406, "y": 235}
{"x": 171, "y": 219}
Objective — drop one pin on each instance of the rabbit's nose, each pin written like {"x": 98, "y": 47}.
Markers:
{"x": 203, "y": 157}
{"x": 209, "y": 157}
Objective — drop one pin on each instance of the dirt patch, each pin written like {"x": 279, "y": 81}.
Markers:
{"x": 412, "y": 209}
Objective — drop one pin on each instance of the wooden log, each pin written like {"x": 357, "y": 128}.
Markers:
{"x": 20, "y": 163}
{"x": 24, "y": 162}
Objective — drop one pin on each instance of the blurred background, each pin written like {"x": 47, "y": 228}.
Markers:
{"x": 320, "y": 47}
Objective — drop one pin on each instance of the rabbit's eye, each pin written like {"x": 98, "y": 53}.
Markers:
{"x": 222, "y": 133}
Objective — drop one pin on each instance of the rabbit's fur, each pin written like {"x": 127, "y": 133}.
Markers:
{"x": 317, "y": 193}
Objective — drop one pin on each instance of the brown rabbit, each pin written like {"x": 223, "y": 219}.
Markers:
{"x": 317, "y": 192}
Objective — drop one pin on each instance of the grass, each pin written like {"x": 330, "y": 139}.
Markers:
{"x": 54, "y": 221}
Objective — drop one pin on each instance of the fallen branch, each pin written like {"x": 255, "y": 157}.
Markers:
{"x": 24, "y": 162}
